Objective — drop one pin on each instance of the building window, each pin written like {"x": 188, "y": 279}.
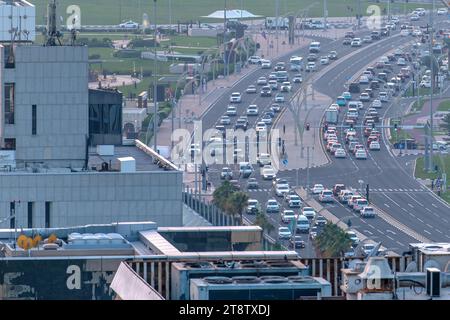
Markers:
{"x": 48, "y": 208}
{"x": 30, "y": 214}
{"x": 9, "y": 103}
{"x": 10, "y": 144}
{"x": 12, "y": 215}
{"x": 9, "y": 57}
{"x": 33, "y": 119}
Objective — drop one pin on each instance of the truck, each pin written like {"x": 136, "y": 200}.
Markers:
{"x": 331, "y": 116}
{"x": 272, "y": 23}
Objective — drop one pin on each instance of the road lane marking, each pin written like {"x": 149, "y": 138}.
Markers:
{"x": 414, "y": 199}
{"x": 427, "y": 232}
{"x": 434, "y": 205}
{"x": 409, "y": 204}
{"x": 367, "y": 231}
{"x": 430, "y": 226}
{"x": 390, "y": 237}
{"x": 438, "y": 231}
{"x": 391, "y": 199}
{"x": 401, "y": 244}
{"x": 386, "y": 205}
{"x": 391, "y": 231}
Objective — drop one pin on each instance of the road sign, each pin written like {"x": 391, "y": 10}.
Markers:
{"x": 285, "y": 162}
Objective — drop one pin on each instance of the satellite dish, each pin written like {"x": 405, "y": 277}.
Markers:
{"x": 411, "y": 267}
{"x": 431, "y": 264}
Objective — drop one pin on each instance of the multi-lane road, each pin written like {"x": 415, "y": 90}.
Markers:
{"x": 392, "y": 188}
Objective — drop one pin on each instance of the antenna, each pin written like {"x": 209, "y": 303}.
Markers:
{"x": 52, "y": 33}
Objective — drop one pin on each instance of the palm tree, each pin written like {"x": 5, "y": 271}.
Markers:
{"x": 262, "y": 221}
{"x": 236, "y": 204}
{"x": 222, "y": 194}
{"x": 333, "y": 241}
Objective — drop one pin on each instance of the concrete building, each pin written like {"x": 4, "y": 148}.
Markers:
{"x": 48, "y": 175}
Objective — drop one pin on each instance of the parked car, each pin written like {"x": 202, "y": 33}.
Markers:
{"x": 129, "y": 25}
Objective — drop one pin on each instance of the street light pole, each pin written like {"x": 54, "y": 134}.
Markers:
{"x": 430, "y": 161}
{"x": 155, "y": 89}
{"x": 277, "y": 14}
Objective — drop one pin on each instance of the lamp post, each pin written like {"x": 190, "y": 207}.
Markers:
{"x": 155, "y": 89}
{"x": 430, "y": 154}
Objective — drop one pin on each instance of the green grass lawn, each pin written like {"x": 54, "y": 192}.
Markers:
{"x": 111, "y": 12}
{"x": 417, "y": 106}
{"x": 444, "y": 106}
{"x": 442, "y": 162}
{"x": 141, "y": 86}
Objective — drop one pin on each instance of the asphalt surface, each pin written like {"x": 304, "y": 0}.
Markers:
{"x": 392, "y": 187}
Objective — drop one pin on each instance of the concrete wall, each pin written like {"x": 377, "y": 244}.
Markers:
{"x": 86, "y": 198}
{"x": 55, "y": 79}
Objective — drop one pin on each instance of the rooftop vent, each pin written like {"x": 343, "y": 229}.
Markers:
{"x": 246, "y": 279}
{"x": 218, "y": 280}
{"x": 274, "y": 279}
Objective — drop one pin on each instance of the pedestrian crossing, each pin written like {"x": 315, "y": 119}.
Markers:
{"x": 370, "y": 190}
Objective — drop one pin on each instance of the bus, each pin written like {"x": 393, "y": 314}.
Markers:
{"x": 296, "y": 63}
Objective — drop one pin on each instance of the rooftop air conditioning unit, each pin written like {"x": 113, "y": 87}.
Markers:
{"x": 246, "y": 279}
{"x": 218, "y": 280}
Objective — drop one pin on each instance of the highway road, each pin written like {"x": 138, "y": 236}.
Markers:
{"x": 392, "y": 188}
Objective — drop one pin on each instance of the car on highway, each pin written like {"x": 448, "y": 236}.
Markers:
{"x": 294, "y": 201}
{"x": 347, "y": 41}
{"x": 376, "y": 104}
{"x": 414, "y": 17}
{"x": 231, "y": 111}
{"x": 334, "y": 147}
{"x": 364, "y": 97}
{"x": 254, "y": 60}
{"x": 303, "y": 224}
{"x": 367, "y": 39}
{"x": 280, "y": 66}
{"x": 355, "y": 105}
{"x": 245, "y": 169}
{"x": 353, "y": 237}
{"x": 225, "y": 120}
{"x": 363, "y": 80}
{"x": 284, "y": 233}
{"x": 266, "y": 64}
{"x": 341, "y": 101}
{"x": 313, "y": 232}
{"x": 252, "y": 110}
{"x": 266, "y": 91}
{"x": 262, "y": 81}
{"x": 261, "y": 126}
{"x": 340, "y": 153}
{"x": 226, "y": 173}
{"x": 354, "y": 87}
{"x": 279, "y": 97}
{"x": 263, "y": 159}
{"x": 374, "y": 146}
{"x": 326, "y": 196}
{"x": 275, "y": 107}
{"x": 317, "y": 188}
{"x": 346, "y": 95}
{"x": 241, "y": 123}
{"x": 344, "y": 195}
{"x": 356, "y": 42}
{"x": 368, "y": 248}
{"x": 401, "y": 62}
{"x": 320, "y": 220}
{"x": 311, "y": 57}
{"x": 286, "y": 86}
{"x": 404, "y": 33}
{"x": 287, "y": 215}
{"x": 129, "y": 25}
{"x": 273, "y": 84}
{"x": 367, "y": 212}
{"x": 361, "y": 154}
{"x": 337, "y": 188}
{"x": 251, "y": 89}
{"x": 272, "y": 76}
{"x": 281, "y": 190}
{"x": 417, "y": 33}
{"x": 235, "y": 97}
{"x": 268, "y": 173}
{"x": 383, "y": 96}
{"x": 332, "y": 55}
{"x": 252, "y": 183}
{"x": 309, "y": 212}
{"x": 375, "y": 35}
{"x": 272, "y": 206}
{"x": 352, "y": 199}
{"x": 324, "y": 60}
{"x": 311, "y": 66}
{"x": 299, "y": 243}
{"x": 297, "y": 78}
{"x": 253, "y": 206}
{"x": 359, "y": 204}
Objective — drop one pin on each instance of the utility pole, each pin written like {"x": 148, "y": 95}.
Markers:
{"x": 307, "y": 170}
{"x": 155, "y": 88}
{"x": 277, "y": 14}
{"x": 325, "y": 13}
{"x": 430, "y": 161}
{"x": 359, "y": 14}
{"x": 170, "y": 14}
{"x": 225, "y": 55}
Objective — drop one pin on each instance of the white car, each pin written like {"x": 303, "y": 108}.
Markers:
{"x": 273, "y": 84}
{"x": 318, "y": 188}
{"x": 309, "y": 212}
{"x": 231, "y": 111}
{"x": 414, "y": 17}
{"x": 287, "y": 216}
{"x": 286, "y": 86}
{"x": 225, "y": 120}
{"x": 251, "y": 89}
{"x": 254, "y": 59}
{"x": 326, "y": 196}
{"x": 352, "y": 235}
{"x": 425, "y": 84}
{"x": 266, "y": 64}
{"x": 401, "y": 62}
{"x": 416, "y": 33}
{"x": 272, "y": 206}
{"x": 252, "y": 110}
{"x": 404, "y": 33}
{"x": 368, "y": 247}
{"x": 294, "y": 201}
{"x": 361, "y": 154}
{"x": 340, "y": 153}
{"x": 356, "y": 42}
{"x": 376, "y": 104}
{"x": 268, "y": 173}
{"x": 324, "y": 60}
{"x": 363, "y": 80}
{"x": 442, "y": 11}
{"x": 364, "y": 97}
{"x": 374, "y": 146}
{"x": 311, "y": 66}
{"x": 281, "y": 190}
{"x": 383, "y": 96}
{"x": 235, "y": 97}
{"x": 129, "y": 25}
{"x": 367, "y": 212}
{"x": 284, "y": 233}
{"x": 261, "y": 126}
{"x": 297, "y": 78}
{"x": 262, "y": 81}
{"x": 279, "y": 98}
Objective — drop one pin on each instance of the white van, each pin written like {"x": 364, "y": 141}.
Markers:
{"x": 314, "y": 47}
{"x": 302, "y": 224}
